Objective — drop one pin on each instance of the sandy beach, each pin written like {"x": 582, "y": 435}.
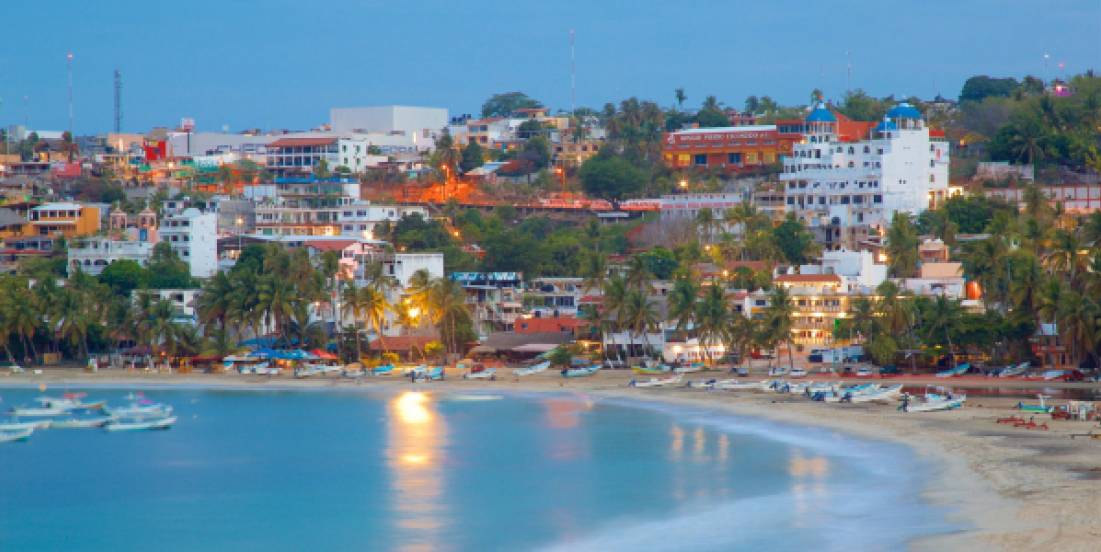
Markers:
{"x": 1012, "y": 488}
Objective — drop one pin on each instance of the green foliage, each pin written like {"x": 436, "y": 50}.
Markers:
{"x": 504, "y": 104}
{"x": 560, "y": 357}
{"x": 537, "y": 152}
{"x": 902, "y": 246}
{"x": 660, "y": 262}
{"x": 167, "y": 271}
{"x": 794, "y": 241}
{"x": 971, "y": 214}
{"x": 979, "y": 87}
{"x": 707, "y": 118}
{"x": 858, "y": 105}
{"x": 612, "y": 178}
{"x": 124, "y": 276}
{"x": 473, "y": 157}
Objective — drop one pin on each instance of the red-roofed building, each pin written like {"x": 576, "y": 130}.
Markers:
{"x": 735, "y": 148}
{"x": 566, "y": 324}
{"x": 298, "y": 155}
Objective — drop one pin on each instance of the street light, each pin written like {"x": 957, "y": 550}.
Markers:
{"x": 239, "y": 221}
{"x": 683, "y": 185}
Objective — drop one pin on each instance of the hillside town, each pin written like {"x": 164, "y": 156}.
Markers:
{"x": 906, "y": 234}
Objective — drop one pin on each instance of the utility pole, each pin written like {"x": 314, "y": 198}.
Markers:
{"x": 118, "y": 101}
{"x": 848, "y": 71}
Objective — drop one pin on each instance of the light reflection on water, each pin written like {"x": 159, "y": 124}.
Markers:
{"x": 415, "y": 441}
{"x": 808, "y": 487}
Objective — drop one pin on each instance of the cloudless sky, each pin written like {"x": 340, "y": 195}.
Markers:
{"x": 284, "y": 63}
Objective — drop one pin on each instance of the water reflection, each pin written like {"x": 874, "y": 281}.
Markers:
{"x": 808, "y": 487}
{"x": 414, "y": 453}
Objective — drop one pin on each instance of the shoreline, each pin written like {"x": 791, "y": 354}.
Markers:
{"x": 1034, "y": 488}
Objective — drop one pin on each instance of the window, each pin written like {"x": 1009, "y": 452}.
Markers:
{"x": 932, "y": 178}
{"x": 852, "y": 150}
{"x": 877, "y": 199}
{"x": 931, "y": 163}
{"x": 879, "y": 151}
{"x": 932, "y": 148}
{"x": 700, "y": 159}
{"x": 734, "y": 158}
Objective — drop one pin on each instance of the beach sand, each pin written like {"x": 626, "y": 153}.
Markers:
{"x": 1011, "y": 488}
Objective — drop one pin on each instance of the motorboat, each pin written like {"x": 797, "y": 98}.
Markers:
{"x": 580, "y": 372}
{"x": 689, "y": 368}
{"x": 953, "y": 372}
{"x": 655, "y": 382}
{"x": 137, "y": 424}
{"x": 20, "y": 426}
{"x": 382, "y": 370}
{"x": 37, "y": 412}
{"x": 419, "y": 375}
{"x": 738, "y": 385}
{"x": 70, "y": 401}
{"x": 934, "y": 402}
{"x": 17, "y": 435}
{"x": 143, "y": 408}
{"x": 82, "y": 423}
{"x": 884, "y": 394}
{"x": 533, "y": 369}
{"x": 483, "y": 374}
{"x": 1014, "y": 370}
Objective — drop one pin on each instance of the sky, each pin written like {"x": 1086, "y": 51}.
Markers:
{"x": 283, "y": 63}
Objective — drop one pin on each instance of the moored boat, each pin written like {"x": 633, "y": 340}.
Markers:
{"x": 33, "y": 412}
{"x": 533, "y": 369}
{"x": 17, "y": 435}
{"x": 138, "y": 424}
{"x": 20, "y": 426}
{"x": 484, "y": 374}
{"x": 580, "y": 372}
{"x": 82, "y": 423}
{"x": 953, "y": 372}
{"x": 655, "y": 382}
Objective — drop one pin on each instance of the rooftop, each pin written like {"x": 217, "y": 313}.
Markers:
{"x": 711, "y": 130}
{"x": 808, "y": 279}
{"x": 302, "y": 142}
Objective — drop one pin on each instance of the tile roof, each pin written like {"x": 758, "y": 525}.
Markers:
{"x": 808, "y": 278}
{"x": 300, "y": 142}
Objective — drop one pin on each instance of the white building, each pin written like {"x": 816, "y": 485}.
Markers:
{"x": 92, "y": 255}
{"x": 299, "y": 155}
{"x": 422, "y": 124}
{"x": 182, "y": 300}
{"x": 687, "y": 206}
{"x": 837, "y": 185}
{"x": 402, "y": 266}
{"x": 193, "y": 235}
{"x": 858, "y": 269}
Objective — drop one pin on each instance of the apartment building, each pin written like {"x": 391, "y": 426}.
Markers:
{"x": 193, "y": 235}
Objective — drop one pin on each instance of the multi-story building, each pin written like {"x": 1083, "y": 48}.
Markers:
{"x": 554, "y": 296}
{"x": 92, "y": 255}
{"x": 193, "y": 235}
{"x": 820, "y": 300}
{"x": 422, "y": 125}
{"x": 846, "y": 186}
{"x": 495, "y": 298}
{"x": 68, "y": 220}
{"x": 351, "y": 219}
{"x": 687, "y": 206}
{"x": 300, "y": 155}
{"x": 736, "y": 148}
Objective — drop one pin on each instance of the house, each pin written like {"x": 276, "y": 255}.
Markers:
{"x": 67, "y": 220}
{"x": 193, "y": 235}
{"x": 93, "y": 255}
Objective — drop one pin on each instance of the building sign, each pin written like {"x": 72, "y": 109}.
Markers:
{"x": 721, "y": 138}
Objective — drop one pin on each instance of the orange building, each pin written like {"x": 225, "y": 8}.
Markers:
{"x": 737, "y": 148}
{"x": 62, "y": 219}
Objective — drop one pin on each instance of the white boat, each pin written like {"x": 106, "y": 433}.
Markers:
{"x": 20, "y": 426}
{"x": 694, "y": 367}
{"x": 32, "y": 412}
{"x": 655, "y": 382}
{"x": 78, "y": 423}
{"x": 145, "y": 410}
{"x": 533, "y": 369}
{"x": 885, "y": 394}
{"x": 798, "y": 373}
{"x": 935, "y": 403}
{"x": 739, "y": 385}
{"x": 487, "y": 374}
{"x": 581, "y": 372}
{"x": 1016, "y": 370}
{"x": 140, "y": 424}
{"x": 849, "y": 393}
{"x": 18, "y": 435}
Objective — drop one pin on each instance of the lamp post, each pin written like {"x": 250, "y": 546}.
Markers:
{"x": 240, "y": 222}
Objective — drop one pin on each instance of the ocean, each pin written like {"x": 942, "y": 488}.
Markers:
{"x": 418, "y": 470}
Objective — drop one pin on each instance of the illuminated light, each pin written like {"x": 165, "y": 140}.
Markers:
{"x": 414, "y": 312}
{"x": 677, "y": 349}
{"x": 416, "y": 459}
{"x": 411, "y": 408}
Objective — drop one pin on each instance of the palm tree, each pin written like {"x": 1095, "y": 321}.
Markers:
{"x": 1065, "y": 255}
{"x": 682, "y": 302}
{"x": 862, "y": 318}
{"x": 215, "y": 301}
{"x": 640, "y": 316}
{"x": 277, "y": 298}
{"x": 162, "y": 330}
{"x": 942, "y": 319}
{"x": 778, "y": 320}
{"x": 594, "y": 269}
{"x": 448, "y": 309}
{"x": 614, "y": 301}
{"x": 713, "y": 318}
{"x": 373, "y": 306}
{"x": 1077, "y": 324}
{"x": 902, "y": 244}
{"x": 70, "y": 320}
{"x": 706, "y": 223}
{"x": 680, "y": 97}
{"x": 22, "y": 316}
{"x": 639, "y": 277}
{"x": 895, "y": 308}
{"x": 741, "y": 334}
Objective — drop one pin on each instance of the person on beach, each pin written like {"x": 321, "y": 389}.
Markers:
{"x": 904, "y": 405}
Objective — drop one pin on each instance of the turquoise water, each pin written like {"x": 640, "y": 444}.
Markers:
{"x": 342, "y": 470}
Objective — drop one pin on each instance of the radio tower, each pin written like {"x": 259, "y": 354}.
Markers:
{"x": 118, "y": 101}
{"x": 573, "y": 74}
{"x": 69, "y": 71}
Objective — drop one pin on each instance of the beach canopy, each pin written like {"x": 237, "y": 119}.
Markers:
{"x": 482, "y": 350}
{"x": 535, "y": 348}
{"x": 323, "y": 355}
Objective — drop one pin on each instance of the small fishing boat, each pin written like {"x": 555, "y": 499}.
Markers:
{"x": 655, "y": 382}
{"x": 82, "y": 423}
{"x": 39, "y": 412}
{"x": 885, "y": 394}
{"x": 650, "y": 371}
{"x": 17, "y": 435}
{"x": 353, "y": 372}
{"x": 690, "y": 368}
{"x": 953, "y": 372}
{"x": 533, "y": 369}
{"x": 934, "y": 403}
{"x": 1042, "y": 407}
{"x": 739, "y": 385}
{"x": 798, "y": 373}
{"x": 1015, "y": 370}
{"x": 580, "y": 372}
{"x": 20, "y": 426}
{"x": 137, "y": 424}
{"x": 144, "y": 408}
{"x": 483, "y": 374}
{"x": 382, "y": 370}
{"x": 435, "y": 373}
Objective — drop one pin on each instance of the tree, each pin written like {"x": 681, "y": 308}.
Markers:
{"x": 682, "y": 302}
{"x": 660, "y": 262}
{"x": 778, "y": 320}
{"x": 680, "y": 96}
{"x": 795, "y": 241}
{"x": 505, "y": 104}
{"x": 860, "y": 106}
{"x": 560, "y": 357}
{"x": 712, "y": 318}
{"x": 166, "y": 270}
{"x": 321, "y": 169}
{"x": 640, "y": 316}
{"x": 902, "y": 246}
{"x": 612, "y": 178}
{"x": 124, "y": 276}
{"x": 979, "y": 87}
{"x": 473, "y": 157}
{"x": 537, "y": 151}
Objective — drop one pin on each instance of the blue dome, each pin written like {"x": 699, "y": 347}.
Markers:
{"x": 885, "y": 125}
{"x": 904, "y": 111}
{"x": 821, "y": 115}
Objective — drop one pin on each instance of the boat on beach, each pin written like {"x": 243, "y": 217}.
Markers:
{"x": 138, "y": 424}
{"x": 935, "y": 402}
{"x": 382, "y": 370}
{"x": 533, "y": 369}
{"x": 953, "y": 372}
{"x": 423, "y": 374}
{"x": 1015, "y": 370}
{"x": 655, "y": 382}
{"x": 17, "y": 435}
{"x": 688, "y": 369}
{"x": 484, "y": 374}
{"x": 580, "y": 372}
{"x": 737, "y": 385}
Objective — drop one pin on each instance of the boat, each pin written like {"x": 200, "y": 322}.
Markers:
{"x": 79, "y": 423}
{"x": 953, "y": 372}
{"x": 580, "y": 372}
{"x": 694, "y": 367}
{"x": 798, "y": 373}
{"x": 353, "y": 372}
{"x": 18, "y": 435}
{"x": 533, "y": 369}
{"x": 1042, "y": 407}
{"x": 426, "y": 374}
{"x": 650, "y": 371}
{"x": 1053, "y": 374}
{"x": 264, "y": 369}
{"x": 845, "y": 394}
{"x": 382, "y": 370}
{"x": 41, "y": 412}
{"x": 20, "y": 426}
{"x": 885, "y": 394}
{"x": 738, "y": 385}
{"x": 778, "y": 371}
{"x": 655, "y": 382}
{"x": 69, "y": 402}
{"x": 137, "y": 424}
{"x": 1015, "y": 370}
{"x": 484, "y": 374}
{"x": 934, "y": 403}
{"x": 143, "y": 408}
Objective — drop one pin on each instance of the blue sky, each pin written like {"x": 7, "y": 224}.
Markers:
{"x": 284, "y": 63}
